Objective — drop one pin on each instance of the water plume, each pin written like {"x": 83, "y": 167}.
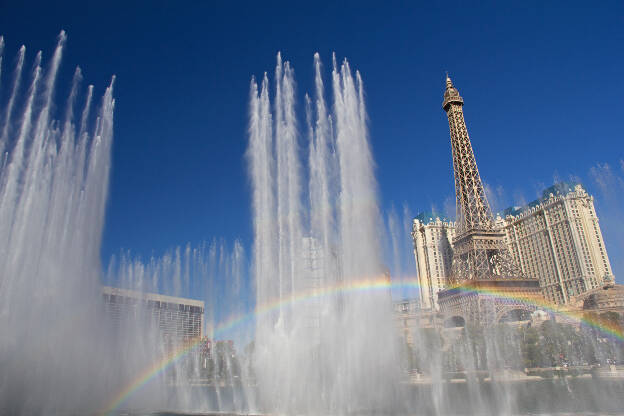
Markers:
{"x": 53, "y": 188}
{"x": 399, "y": 251}
{"x": 318, "y": 356}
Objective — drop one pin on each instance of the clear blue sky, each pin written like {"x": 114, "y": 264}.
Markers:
{"x": 542, "y": 83}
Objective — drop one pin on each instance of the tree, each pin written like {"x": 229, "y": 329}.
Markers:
{"x": 531, "y": 347}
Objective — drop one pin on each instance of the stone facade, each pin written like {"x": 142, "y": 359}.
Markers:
{"x": 557, "y": 239}
{"x": 490, "y": 301}
{"x": 608, "y": 298}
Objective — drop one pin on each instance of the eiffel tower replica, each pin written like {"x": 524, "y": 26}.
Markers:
{"x": 485, "y": 283}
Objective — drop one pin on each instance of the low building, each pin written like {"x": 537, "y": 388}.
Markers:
{"x": 178, "y": 319}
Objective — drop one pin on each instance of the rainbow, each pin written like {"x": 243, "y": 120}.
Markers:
{"x": 382, "y": 283}
{"x": 150, "y": 373}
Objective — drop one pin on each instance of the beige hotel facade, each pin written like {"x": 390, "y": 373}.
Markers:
{"x": 555, "y": 239}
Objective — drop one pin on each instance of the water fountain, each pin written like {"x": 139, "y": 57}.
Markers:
{"x": 325, "y": 341}
{"x": 53, "y": 187}
{"x": 324, "y": 350}
{"x": 60, "y": 351}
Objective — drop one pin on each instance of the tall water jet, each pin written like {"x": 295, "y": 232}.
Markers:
{"x": 325, "y": 348}
{"x": 53, "y": 188}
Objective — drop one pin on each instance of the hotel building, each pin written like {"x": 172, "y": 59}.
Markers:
{"x": 555, "y": 239}
{"x": 433, "y": 251}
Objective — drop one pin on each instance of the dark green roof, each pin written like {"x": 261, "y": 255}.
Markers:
{"x": 512, "y": 211}
{"x": 558, "y": 189}
{"x": 431, "y": 216}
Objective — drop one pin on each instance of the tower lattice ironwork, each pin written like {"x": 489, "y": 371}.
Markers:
{"x": 479, "y": 251}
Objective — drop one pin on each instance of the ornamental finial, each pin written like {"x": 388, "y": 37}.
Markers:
{"x": 451, "y": 95}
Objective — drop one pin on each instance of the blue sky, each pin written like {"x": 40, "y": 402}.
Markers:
{"x": 542, "y": 84}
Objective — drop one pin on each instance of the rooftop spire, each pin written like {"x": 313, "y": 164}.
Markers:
{"x": 449, "y": 83}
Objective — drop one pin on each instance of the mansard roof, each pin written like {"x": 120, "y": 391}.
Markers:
{"x": 557, "y": 189}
